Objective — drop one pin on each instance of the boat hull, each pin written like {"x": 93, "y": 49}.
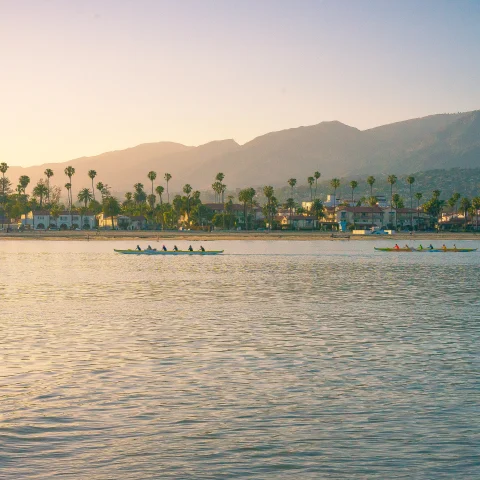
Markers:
{"x": 168, "y": 252}
{"x": 426, "y": 250}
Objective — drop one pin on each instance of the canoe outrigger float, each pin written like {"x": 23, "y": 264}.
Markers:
{"x": 169, "y": 252}
{"x": 434, "y": 250}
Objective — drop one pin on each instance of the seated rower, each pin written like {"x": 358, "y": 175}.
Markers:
{"x": 407, "y": 247}
{"x": 164, "y": 248}
{"x": 190, "y": 249}
{"x": 175, "y": 248}
{"x": 149, "y": 248}
{"x": 420, "y": 247}
{"x": 454, "y": 247}
{"x": 430, "y": 247}
{"x": 138, "y": 248}
{"x": 444, "y": 247}
{"x": 202, "y": 249}
{"x": 396, "y": 247}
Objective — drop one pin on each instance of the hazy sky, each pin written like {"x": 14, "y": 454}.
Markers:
{"x": 81, "y": 77}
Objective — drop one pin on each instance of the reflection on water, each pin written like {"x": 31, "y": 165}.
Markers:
{"x": 280, "y": 360}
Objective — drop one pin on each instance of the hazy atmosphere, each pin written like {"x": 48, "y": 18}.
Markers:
{"x": 82, "y": 78}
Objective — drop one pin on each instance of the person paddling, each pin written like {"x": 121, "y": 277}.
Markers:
{"x": 190, "y": 249}
{"x": 138, "y": 248}
{"x": 396, "y": 247}
{"x": 420, "y": 247}
{"x": 202, "y": 249}
{"x": 175, "y": 248}
{"x": 164, "y": 248}
{"x": 444, "y": 247}
{"x": 430, "y": 247}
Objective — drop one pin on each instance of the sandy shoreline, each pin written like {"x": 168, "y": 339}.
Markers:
{"x": 210, "y": 236}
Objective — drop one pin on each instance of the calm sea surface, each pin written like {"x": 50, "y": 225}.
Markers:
{"x": 277, "y": 360}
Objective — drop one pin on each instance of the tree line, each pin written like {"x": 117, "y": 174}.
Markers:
{"x": 153, "y": 202}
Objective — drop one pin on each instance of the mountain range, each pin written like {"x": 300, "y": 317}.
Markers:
{"x": 336, "y": 150}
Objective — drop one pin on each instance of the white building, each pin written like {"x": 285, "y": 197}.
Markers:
{"x": 42, "y": 219}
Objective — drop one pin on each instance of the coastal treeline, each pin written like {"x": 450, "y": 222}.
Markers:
{"x": 260, "y": 207}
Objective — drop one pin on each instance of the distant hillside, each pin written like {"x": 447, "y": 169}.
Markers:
{"x": 464, "y": 181}
{"x": 435, "y": 142}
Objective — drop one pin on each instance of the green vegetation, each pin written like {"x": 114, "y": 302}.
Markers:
{"x": 259, "y": 207}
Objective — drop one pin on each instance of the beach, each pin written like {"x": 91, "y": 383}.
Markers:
{"x": 224, "y": 235}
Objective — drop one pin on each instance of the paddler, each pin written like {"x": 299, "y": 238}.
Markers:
{"x": 420, "y": 247}
{"x": 138, "y": 248}
{"x": 190, "y": 249}
{"x": 202, "y": 249}
{"x": 444, "y": 247}
{"x": 175, "y": 248}
{"x": 396, "y": 247}
{"x": 164, "y": 248}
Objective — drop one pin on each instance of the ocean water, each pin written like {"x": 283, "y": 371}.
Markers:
{"x": 277, "y": 360}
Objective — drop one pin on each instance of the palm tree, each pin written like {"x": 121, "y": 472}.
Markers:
{"x": 353, "y": 186}
{"x": 168, "y": 177}
{"x": 456, "y": 197}
{"x": 187, "y": 190}
{"x": 316, "y": 175}
{"x": 48, "y": 173}
{"x": 111, "y": 208}
{"x": 290, "y": 204}
{"x": 268, "y": 192}
{"x": 418, "y": 196}
{"x": 371, "y": 181}
{"x": 70, "y": 172}
{"x": 465, "y": 205}
{"x": 219, "y": 178}
{"x": 397, "y": 203}
{"x": 85, "y": 196}
{"x": 216, "y": 187}
{"x": 476, "y": 206}
{"x": 392, "y": 180}
{"x": 152, "y": 176}
{"x": 311, "y": 181}
{"x": 100, "y": 186}
{"x": 23, "y": 182}
{"x": 3, "y": 169}
{"x": 92, "y": 174}
{"x": 317, "y": 209}
{"x": 411, "y": 181}
{"x": 40, "y": 190}
{"x": 335, "y": 183}
{"x": 159, "y": 189}
{"x": 292, "y": 182}
{"x": 245, "y": 196}
{"x": 68, "y": 186}
{"x": 372, "y": 201}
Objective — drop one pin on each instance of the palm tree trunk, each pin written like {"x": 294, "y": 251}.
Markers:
{"x": 411, "y": 208}
{"x": 93, "y": 190}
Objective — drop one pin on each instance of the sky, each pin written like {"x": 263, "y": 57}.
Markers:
{"x": 82, "y": 77}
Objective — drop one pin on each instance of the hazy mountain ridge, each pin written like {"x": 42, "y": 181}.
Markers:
{"x": 434, "y": 142}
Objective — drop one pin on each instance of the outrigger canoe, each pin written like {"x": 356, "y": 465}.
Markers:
{"x": 169, "y": 252}
{"x": 434, "y": 250}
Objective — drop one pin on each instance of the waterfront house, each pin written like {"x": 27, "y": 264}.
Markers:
{"x": 42, "y": 219}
